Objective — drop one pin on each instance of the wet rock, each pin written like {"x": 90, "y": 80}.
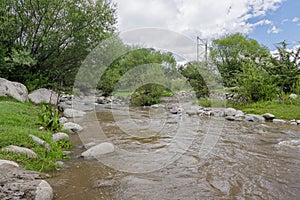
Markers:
{"x": 23, "y": 184}
{"x": 20, "y": 150}
{"x": 218, "y": 113}
{"x": 8, "y": 162}
{"x": 60, "y": 136}
{"x": 99, "y": 149}
{"x": 60, "y": 164}
{"x": 63, "y": 120}
{"x": 72, "y": 127}
{"x": 230, "y": 118}
{"x": 73, "y": 113}
{"x": 191, "y": 112}
{"x": 294, "y": 123}
{"x": 268, "y": 116}
{"x": 174, "y": 111}
{"x": 279, "y": 121}
{"x": 230, "y": 112}
{"x": 43, "y": 95}
{"x": 254, "y": 118}
{"x": 13, "y": 89}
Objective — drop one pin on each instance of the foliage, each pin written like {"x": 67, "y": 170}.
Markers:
{"x": 45, "y": 41}
{"x": 229, "y": 53}
{"x": 284, "y": 67}
{"x": 191, "y": 72}
{"x": 17, "y": 121}
{"x": 148, "y": 94}
{"x": 140, "y": 63}
{"x": 49, "y": 118}
{"x": 255, "y": 84}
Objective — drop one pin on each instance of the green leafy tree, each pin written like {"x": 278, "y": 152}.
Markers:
{"x": 191, "y": 72}
{"x": 45, "y": 41}
{"x": 284, "y": 67}
{"x": 129, "y": 61}
{"x": 229, "y": 53}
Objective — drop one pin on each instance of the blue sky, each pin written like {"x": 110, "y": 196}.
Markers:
{"x": 285, "y": 22}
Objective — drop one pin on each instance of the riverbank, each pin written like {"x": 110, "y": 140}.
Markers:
{"x": 18, "y": 123}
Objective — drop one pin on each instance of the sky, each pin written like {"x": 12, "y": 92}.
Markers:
{"x": 267, "y": 21}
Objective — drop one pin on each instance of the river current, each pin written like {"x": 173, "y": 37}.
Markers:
{"x": 183, "y": 157}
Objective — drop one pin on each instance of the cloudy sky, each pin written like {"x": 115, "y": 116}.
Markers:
{"x": 268, "y": 21}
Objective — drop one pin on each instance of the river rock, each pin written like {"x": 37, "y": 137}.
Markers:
{"x": 191, "y": 112}
{"x": 230, "y": 112}
{"x": 43, "y": 95}
{"x": 99, "y": 149}
{"x": 13, "y": 89}
{"x": 8, "y": 162}
{"x": 268, "y": 116}
{"x": 279, "y": 121}
{"x": 254, "y": 118}
{"x": 63, "y": 120}
{"x": 72, "y": 127}
{"x": 20, "y": 150}
{"x": 60, "y": 136}
{"x": 73, "y": 113}
{"x": 230, "y": 118}
{"x": 298, "y": 122}
{"x": 17, "y": 183}
{"x": 218, "y": 113}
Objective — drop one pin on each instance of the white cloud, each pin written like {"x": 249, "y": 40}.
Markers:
{"x": 274, "y": 30}
{"x": 284, "y": 21}
{"x": 296, "y": 19}
{"x": 195, "y": 17}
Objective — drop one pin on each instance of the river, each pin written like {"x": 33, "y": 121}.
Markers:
{"x": 188, "y": 158}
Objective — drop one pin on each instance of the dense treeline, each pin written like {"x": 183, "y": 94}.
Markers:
{"x": 43, "y": 42}
{"x": 254, "y": 71}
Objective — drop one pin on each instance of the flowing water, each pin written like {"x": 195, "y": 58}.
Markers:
{"x": 177, "y": 160}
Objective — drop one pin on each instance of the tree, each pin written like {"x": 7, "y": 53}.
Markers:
{"x": 284, "y": 67}
{"x": 229, "y": 53}
{"x": 54, "y": 35}
{"x": 192, "y": 73}
{"x": 133, "y": 59}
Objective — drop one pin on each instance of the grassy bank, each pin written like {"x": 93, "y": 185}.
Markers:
{"x": 280, "y": 110}
{"x": 17, "y": 121}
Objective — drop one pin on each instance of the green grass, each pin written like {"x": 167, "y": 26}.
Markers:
{"x": 280, "y": 110}
{"x": 213, "y": 103}
{"x": 17, "y": 121}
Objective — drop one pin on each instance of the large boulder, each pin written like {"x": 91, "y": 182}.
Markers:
{"x": 98, "y": 150}
{"x": 13, "y": 89}
{"x": 230, "y": 112}
{"x": 60, "y": 136}
{"x": 20, "y": 150}
{"x": 17, "y": 183}
{"x": 254, "y": 118}
{"x": 43, "y": 95}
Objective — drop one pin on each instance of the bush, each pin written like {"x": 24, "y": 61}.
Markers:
{"x": 255, "y": 84}
{"x": 148, "y": 95}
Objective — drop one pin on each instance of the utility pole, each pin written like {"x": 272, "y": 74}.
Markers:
{"x": 202, "y": 43}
